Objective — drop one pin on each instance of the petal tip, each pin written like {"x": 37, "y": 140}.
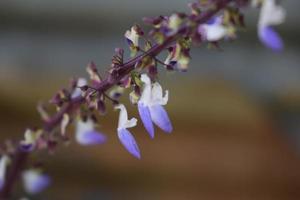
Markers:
{"x": 91, "y": 138}
{"x": 129, "y": 142}
{"x": 271, "y": 39}
{"x": 146, "y": 119}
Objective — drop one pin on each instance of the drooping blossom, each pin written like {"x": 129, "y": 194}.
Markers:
{"x": 150, "y": 107}
{"x": 34, "y": 181}
{"x": 270, "y": 15}
{"x": 86, "y": 134}
{"x": 124, "y": 135}
{"x": 4, "y": 162}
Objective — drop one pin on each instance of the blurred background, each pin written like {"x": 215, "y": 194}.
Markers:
{"x": 235, "y": 112}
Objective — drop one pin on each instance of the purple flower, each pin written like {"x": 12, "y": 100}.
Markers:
{"x": 34, "y": 181}
{"x": 150, "y": 107}
{"x": 87, "y": 135}
{"x": 271, "y": 14}
{"x": 124, "y": 135}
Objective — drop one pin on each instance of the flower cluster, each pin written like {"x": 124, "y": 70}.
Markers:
{"x": 208, "y": 22}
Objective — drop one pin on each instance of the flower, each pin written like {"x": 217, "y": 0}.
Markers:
{"x": 124, "y": 135}
{"x": 4, "y": 161}
{"x": 214, "y": 30}
{"x": 30, "y": 139}
{"x": 86, "y": 133}
{"x": 77, "y": 91}
{"x": 270, "y": 14}
{"x": 34, "y": 181}
{"x": 175, "y": 21}
{"x": 150, "y": 107}
{"x": 132, "y": 37}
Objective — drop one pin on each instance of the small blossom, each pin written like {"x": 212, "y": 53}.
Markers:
{"x": 179, "y": 55}
{"x": 77, "y": 91}
{"x": 151, "y": 108}
{"x": 124, "y": 135}
{"x": 4, "y": 161}
{"x": 270, "y": 14}
{"x": 214, "y": 30}
{"x": 30, "y": 139}
{"x": 175, "y": 21}
{"x": 34, "y": 181}
{"x": 86, "y": 133}
{"x": 132, "y": 36}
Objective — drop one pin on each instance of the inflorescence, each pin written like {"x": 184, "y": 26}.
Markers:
{"x": 208, "y": 22}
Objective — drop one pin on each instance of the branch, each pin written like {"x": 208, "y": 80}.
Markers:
{"x": 20, "y": 157}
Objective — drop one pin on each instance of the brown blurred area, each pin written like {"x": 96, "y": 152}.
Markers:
{"x": 224, "y": 146}
{"x": 235, "y": 112}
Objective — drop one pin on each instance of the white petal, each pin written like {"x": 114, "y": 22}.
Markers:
{"x": 271, "y": 14}
{"x": 146, "y": 94}
{"x": 132, "y": 36}
{"x": 157, "y": 95}
{"x": 64, "y": 124}
{"x": 29, "y": 136}
{"x": 123, "y": 118}
{"x": 214, "y": 32}
{"x": 82, "y": 127}
{"x": 4, "y": 161}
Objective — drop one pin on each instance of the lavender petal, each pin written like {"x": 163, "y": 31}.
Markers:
{"x": 35, "y": 183}
{"x": 160, "y": 118}
{"x": 270, "y": 38}
{"x": 129, "y": 142}
{"x": 146, "y": 119}
{"x": 91, "y": 137}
